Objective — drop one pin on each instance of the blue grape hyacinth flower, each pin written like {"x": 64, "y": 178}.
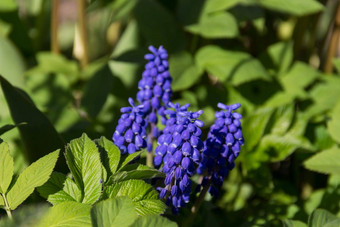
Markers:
{"x": 155, "y": 89}
{"x": 130, "y": 133}
{"x": 221, "y": 148}
{"x": 179, "y": 148}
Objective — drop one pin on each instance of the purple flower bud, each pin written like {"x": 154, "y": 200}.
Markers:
{"x": 174, "y": 190}
{"x": 158, "y": 160}
{"x": 178, "y": 172}
{"x": 163, "y": 193}
{"x": 187, "y": 149}
{"x": 237, "y": 115}
{"x": 238, "y": 135}
{"x": 185, "y": 135}
{"x": 229, "y": 139}
{"x": 177, "y": 156}
{"x": 185, "y": 163}
{"x": 131, "y": 148}
{"x": 129, "y": 136}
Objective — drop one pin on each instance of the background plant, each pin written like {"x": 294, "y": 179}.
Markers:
{"x": 278, "y": 60}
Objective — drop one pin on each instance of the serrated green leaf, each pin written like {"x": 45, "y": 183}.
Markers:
{"x": 6, "y": 167}
{"x": 334, "y": 124}
{"x": 320, "y": 217}
{"x": 327, "y": 161}
{"x": 135, "y": 174}
{"x": 215, "y": 25}
{"x": 240, "y": 67}
{"x": 67, "y": 214}
{"x": 119, "y": 211}
{"x": 293, "y": 223}
{"x": 83, "y": 160}
{"x": 59, "y": 188}
{"x": 153, "y": 220}
{"x": 128, "y": 159}
{"x": 110, "y": 155}
{"x": 297, "y": 8}
{"x": 33, "y": 176}
{"x": 145, "y": 198}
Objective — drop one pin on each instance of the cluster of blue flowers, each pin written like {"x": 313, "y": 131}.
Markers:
{"x": 155, "y": 89}
{"x": 130, "y": 132}
{"x": 222, "y": 147}
{"x": 180, "y": 152}
{"x": 179, "y": 147}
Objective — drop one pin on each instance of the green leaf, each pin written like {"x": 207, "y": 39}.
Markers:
{"x": 55, "y": 63}
{"x": 67, "y": 214}
{"x": 293, "y": 223}
{"x": 218, "y": 5}
{"x": 6, "y": 167}
{"x": 299, "y": 77}
{"x": 8, "y": 5}
{"x": 334, "y": 124}
{"x": 254, "y": 126}
{"x": 145, "y": 198}
{"x": 158, "y": 26}
{"x": 97, "y": 90}
{"x": 84, "y": 162}
{"x": 153, "y": 220}
{"x": 12, "y": 65}
{"x": 297, "y": 8}
{"x": 109, "y": 153}
{"x": 59, "y": 188}
{"x": 33, "y": 176}
{"x": 128, "y": 159}
{"x": 119, "y": 211}
{"x": 278, "y": 147}
{"x": 283, "y": 119}
{"x": 320, "y": 217}
{"x": 216, "y": 25}
{"x": 135, "y": 174}
{"x": 8, "y": 127}
{"x": 280, "y": 56}
{"x": 39, "y": 135}
{"x": 224, "y": 64}
{"x": 327, "y": 161}
{"x": 184, "y": 71}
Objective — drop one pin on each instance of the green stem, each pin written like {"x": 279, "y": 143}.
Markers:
{"x": 7, "y": 208}
{"x": 198, "y": 204}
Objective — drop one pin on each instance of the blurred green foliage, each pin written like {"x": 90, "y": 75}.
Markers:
{"x": 268, "y": 55}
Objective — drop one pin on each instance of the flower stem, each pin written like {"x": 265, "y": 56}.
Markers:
{"x": 7, "y": 208}
{"x": 198, "y": 204}
{"x": 328, "y": 68}
{"x": 54, "y": 27}
{"x": 81, "y": 51}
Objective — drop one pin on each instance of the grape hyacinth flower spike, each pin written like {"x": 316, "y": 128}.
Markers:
{"x": 130, "y": 132}
{"x": 179, "y": 148}
{"x": 155, "y": 89}
{"x": 221, "y": 148}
